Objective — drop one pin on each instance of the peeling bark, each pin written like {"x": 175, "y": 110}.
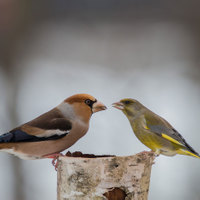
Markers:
{"x": 104, "y": 178}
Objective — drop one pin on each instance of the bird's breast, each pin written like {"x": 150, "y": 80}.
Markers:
{"x": 149, "y": 139}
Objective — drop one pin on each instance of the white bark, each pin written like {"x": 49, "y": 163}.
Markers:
{"x": 102, "y": 178}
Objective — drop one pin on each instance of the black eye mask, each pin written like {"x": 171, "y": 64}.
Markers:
{"x": 90, "y": 102}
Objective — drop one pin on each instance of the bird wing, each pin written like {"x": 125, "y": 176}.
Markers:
{"x": 36, "y": 131}
{"x": 161, "y": 127}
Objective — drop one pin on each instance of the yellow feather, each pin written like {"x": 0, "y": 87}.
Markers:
{"x": 180, "y": 151}
{"x": 171, "y": 139}
{"x": 185, "y": 152}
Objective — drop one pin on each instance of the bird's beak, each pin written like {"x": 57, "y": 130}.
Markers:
{"x": 118, "y": 105}
{"x": 98, "y": 106}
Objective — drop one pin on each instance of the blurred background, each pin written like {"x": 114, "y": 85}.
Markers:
{"x": 144, "y": 49}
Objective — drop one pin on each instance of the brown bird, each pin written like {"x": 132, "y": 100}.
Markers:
{"x": 54, "y": 131}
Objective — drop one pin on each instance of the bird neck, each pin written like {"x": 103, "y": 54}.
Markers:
{"x": 83, "y": 113}
{"x": 133, "y": 116}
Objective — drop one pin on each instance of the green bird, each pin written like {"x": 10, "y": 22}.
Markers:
{"x": 154, "y": 131}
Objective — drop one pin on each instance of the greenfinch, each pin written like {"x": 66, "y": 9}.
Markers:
{"x": 154, "y": 131}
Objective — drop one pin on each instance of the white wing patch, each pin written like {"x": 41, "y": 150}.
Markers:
{"x": 49, "y": 133}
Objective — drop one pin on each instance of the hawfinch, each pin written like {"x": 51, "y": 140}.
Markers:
{"x": 154, "y": 131}
{"x": 54, "y": 131}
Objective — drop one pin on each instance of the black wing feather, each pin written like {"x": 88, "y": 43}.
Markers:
{"x": 21, "y": 136}
{"x": 172, "y": 133}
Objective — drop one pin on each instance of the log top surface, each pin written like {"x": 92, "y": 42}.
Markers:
{"x": 79, "y": 155}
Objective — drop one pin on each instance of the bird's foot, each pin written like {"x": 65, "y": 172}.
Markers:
{"x": 55, "y": 157}
{"x": 156, "y": 153}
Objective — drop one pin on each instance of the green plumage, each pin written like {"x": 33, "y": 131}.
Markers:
{"x": 154, "y": 131}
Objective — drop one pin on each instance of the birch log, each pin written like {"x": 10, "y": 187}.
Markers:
{"x": 104, "y": 178}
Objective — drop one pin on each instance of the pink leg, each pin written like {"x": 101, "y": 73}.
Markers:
{"x": 55, "y": 159}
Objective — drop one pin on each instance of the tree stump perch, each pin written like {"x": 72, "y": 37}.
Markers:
{"x": 104, "y": 178}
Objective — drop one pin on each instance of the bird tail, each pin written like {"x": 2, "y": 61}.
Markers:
{"x": 188, "y": 153}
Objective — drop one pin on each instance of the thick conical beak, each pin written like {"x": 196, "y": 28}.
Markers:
{"x": 98, "y": 106}
{"x": 118, "y": 105}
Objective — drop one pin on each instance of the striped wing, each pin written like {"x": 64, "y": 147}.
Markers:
{"x": 162, "y": 128}
{"x": 57, "y": 128}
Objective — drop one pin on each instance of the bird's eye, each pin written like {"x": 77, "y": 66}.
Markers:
{"x": 127, "y": 102}
{"x": 88, "y": 101}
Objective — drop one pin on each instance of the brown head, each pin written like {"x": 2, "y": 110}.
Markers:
{"x": 85, "y": 105}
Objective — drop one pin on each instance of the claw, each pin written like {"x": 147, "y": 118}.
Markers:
{"x": 157, "y": 152}
{"x": 55, "y": 157}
